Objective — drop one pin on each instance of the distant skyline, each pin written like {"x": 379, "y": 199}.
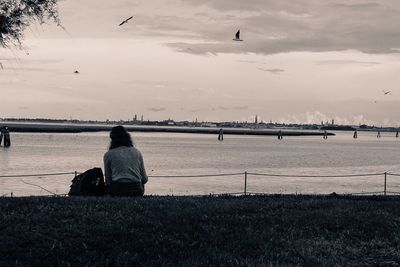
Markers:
{"x": 300, "y": 62}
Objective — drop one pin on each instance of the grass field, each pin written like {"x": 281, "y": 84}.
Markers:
{"x": 194, "y": 231}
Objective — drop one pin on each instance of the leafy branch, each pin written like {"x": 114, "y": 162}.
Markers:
{"x": 16, "y": 15}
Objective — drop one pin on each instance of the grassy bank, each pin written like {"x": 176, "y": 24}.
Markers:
{"x": 190, "y": 231}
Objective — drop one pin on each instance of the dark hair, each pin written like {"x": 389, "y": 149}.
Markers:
{"x": 120, "y": 137}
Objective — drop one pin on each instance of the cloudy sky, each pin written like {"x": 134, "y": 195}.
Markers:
{"x": 300, "y": 61}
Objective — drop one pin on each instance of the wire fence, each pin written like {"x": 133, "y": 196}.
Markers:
{"x": 196, "y": 176}
{"x": 38, "y": 175}
{"x": 250, "y": 179}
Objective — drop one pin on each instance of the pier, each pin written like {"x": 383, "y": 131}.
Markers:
{"x": 325, "y": 135}
{"x": 221, "y": 135}
{"x": 280, "y": 136}
{"x": 5, "y": 135}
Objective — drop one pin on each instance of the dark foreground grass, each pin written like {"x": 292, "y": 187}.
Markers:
{"x": 193, "y": 231}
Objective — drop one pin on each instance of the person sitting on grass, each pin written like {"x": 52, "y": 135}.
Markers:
{"x": 124, "y": 170}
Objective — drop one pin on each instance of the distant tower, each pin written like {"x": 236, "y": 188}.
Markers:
{"x": 135, "y": 117}
{"x": 256, "y": 119}
{"x": 142, "y": 118}
{"x": 333, "y": 122}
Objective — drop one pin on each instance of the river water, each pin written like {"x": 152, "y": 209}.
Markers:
{"x": 176, "y": 154}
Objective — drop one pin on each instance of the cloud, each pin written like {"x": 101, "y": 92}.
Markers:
{"x": 270, "y": 27}
{"x": 358, "y": 5}
{"x": 30, "y": 69}
{"x": 232, "y": 108}
{"x": 347, "y": 62}
{"x": 156, "y": 109}
{"x": 267, "y": 26}
{"x": 241, "y": 107}
{"x": 316, "y": 117}
{"x": 249, "y": 61}
{"x": 273, "y": 71}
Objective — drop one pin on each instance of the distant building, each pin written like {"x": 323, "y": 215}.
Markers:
{"x": 209, "y": 124}
{"x": 256, "y": 119}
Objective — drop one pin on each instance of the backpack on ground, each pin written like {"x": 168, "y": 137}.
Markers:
{"x": 89, "y": 183}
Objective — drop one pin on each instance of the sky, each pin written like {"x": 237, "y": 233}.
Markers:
{"x": 302, "y": 61}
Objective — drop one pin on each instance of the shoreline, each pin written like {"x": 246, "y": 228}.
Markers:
{"x": 79, "y": 128}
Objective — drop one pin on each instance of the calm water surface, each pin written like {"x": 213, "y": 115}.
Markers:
{"x": 193, "y": 154}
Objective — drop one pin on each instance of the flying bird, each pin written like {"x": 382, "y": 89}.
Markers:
{"x": 386, "y": 92}
{"x": 237, "y": 37}
{"x": 126, "y": 21}
{"x": 76, "y": 72}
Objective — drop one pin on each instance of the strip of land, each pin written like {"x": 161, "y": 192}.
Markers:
{"x": 200, "y": 231}
{"x": 77, "y": 128}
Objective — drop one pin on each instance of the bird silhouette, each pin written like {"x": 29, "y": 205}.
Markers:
{"x": 386, "y": 92}
{"x": 237, "y": 37}
{"x": 126, "y": 21}
{"x": 76, "y": 72}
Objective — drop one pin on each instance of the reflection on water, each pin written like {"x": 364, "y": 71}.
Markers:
{"x": 192, "y": 154}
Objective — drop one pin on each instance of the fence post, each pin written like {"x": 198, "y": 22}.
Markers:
{"x": 384, "y": 189}
{"x": 245, "y": 183}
